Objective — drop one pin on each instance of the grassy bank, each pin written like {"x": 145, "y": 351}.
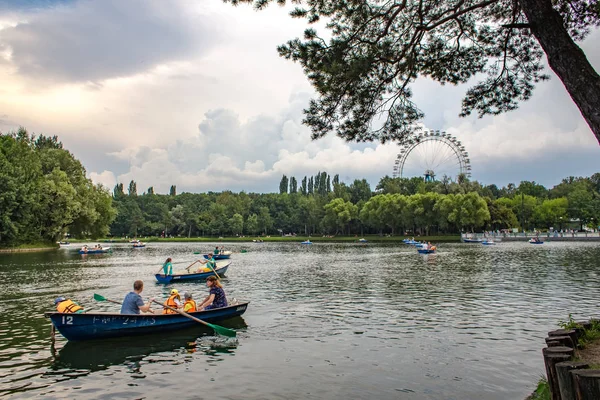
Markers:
{"x": 29, "y": 247}
{"x": 299, "y": 238}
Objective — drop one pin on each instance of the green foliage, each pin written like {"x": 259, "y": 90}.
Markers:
{"x": 44, "y": 193}
{"x": 542, "y": 391}
{"x": 569, "y": 323}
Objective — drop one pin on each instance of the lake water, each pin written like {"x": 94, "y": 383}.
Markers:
{"x": 326, "y": 321}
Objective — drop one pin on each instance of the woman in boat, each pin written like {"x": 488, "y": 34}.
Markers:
{"x": 216, "y": 297}
{"x": 216, "y": 251}
{"x": 168, "y": 267}
{"x": 189, "y": 305}
{"x": 174, "y": 301}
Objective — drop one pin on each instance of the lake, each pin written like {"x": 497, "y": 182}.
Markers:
{"x": 326, "y": 321}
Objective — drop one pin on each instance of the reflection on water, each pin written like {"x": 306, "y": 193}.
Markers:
{"x": 325, "y": 321}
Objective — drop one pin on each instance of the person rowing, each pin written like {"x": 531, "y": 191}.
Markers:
{"x": 133, "y": 302}
{"x": 209, "y": 264}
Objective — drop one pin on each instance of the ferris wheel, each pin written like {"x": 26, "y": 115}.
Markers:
{"x": 432, "y": 154}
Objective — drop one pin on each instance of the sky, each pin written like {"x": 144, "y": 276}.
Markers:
{"x": 193, "y": 94}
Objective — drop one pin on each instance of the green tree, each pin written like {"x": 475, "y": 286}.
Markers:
{"x": 293, "y": 185}
{"x": 360, "y": 190}
{"x": 338, "y": 214}
{"x": 132, "y": 191}
{"x": 252, "y": 224}
{"x": 236, "y": 224}
{"x": 283, "y": 185}
{"x": 551, "y": 212}
{"x": 173, "y": 191}
{"x": 265, "y": 222}
{"x": 376, "y": 50}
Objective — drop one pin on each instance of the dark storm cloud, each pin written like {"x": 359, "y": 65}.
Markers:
{"x": 96, "y": 40}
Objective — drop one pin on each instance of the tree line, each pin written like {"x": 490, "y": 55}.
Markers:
{"x": 324, "y": 205}
{"x": 44, "y": 193}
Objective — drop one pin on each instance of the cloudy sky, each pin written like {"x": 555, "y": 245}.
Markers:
{"x": 192, "y": 93}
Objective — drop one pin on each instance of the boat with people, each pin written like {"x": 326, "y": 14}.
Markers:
{"x": 306, "y": 242}
{"x": 139, "y": 245}
{"x": 222, "y": 255}
{"x": 535, "y": 241}
{"x": 488, "y": 242}
{"x": 101, "y": 325}
{"x": 472, "y": 240}
{"x": 362, "y": 240}
{"x": 221, "y": 269}
{"x": 427, "y": 251}
{"x": 63, "y": 245}
{"x": 94, "y": 250}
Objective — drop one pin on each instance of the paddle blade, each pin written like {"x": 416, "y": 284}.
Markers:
{"x": 97, "y": 297}
{"x": 222, "y": 330}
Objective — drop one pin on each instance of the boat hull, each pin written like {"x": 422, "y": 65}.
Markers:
{"x": 223, "y": 256}
{"x": 472, "y": 240}
{"x": 190, "y": 277}
{"x": 89, "y": 326}
{"x": 423, "y": 251}
{"x": 101, "y": 251}
{"x": 536, "y": 242}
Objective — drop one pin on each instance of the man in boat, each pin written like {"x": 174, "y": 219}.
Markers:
{"x": 209, "y": 264}
{"x": 133, "y": 303}
{"x": 189, "y": 305}
{"x": 174, "y": 301}
{"x": 68, "y": 306}
{"x": 216, "y": 250}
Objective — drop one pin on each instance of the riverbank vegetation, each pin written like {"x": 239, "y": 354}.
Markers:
{"x": 44, "y": 194}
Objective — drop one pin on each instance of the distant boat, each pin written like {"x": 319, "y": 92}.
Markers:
{"x": 362, "y": 240}
{"x": 426, "y": 251}
{"x": 535, "y": 241}
{"x": 476, "y": 240}
{"x": 306, "y": 242}
{"x": 196, "y": 276}
{"x": 139, "y": 245}
{"x": 94, "y": 251}
{"x": 488, "y": 242}
{"x": 64, "y": 244}
{"x": 223, "y": 255}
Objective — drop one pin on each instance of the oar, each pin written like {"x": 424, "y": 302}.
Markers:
{"x": 190, "y": 266}
{"x": 219, "y": 329}
{"x": 97, "y": 297}
{"x": 213, "y": 270}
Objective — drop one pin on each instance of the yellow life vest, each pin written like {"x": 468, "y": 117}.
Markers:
{"x": 191, "y": 304}
{"x": 171, "y": 303}
{"x": 67, "y": 306}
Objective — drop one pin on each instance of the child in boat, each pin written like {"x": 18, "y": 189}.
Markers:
{"x": 189, "y": 305}
{"x": 174, "y": 301}
{"x": 64, "y": 305}
{"x": 216, "y": 297}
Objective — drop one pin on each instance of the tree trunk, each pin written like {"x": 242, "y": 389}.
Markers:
{"x": 566, "y": 59}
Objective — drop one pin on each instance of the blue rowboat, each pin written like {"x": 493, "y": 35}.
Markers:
{"x": 95, "y": 251}
{"x": 221, "y": 270}
{"x": 426, "y": 251}
{"x": 221, "y": 256}
{"x": 535, "y": 242}
{"x": 488, "y": 243}
{"x": 306, "y": 242}
{"x": 472, "y": 240}
{"x": 99, "y": 325}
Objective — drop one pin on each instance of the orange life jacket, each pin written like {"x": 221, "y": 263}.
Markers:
{"x": 171, "y": 303}
{"x": 67, "y": 306}
{"x": 192, "y": 303}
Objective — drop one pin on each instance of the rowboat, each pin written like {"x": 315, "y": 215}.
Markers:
{"x": 221, "y": 270}
{"x": 532, "y": 241}
{"x": 139, "y": 245}
{"x": 488, "y": 242}
{"x": 224, "y": 255}
{"x": 426, "y": 251}
{"x": 100, "y": 325}
{"x": 95, "y": 251}
{"x": 472, "y": 240}
{"x": 362, "y": 240}
{"x": 306, "y": 242}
